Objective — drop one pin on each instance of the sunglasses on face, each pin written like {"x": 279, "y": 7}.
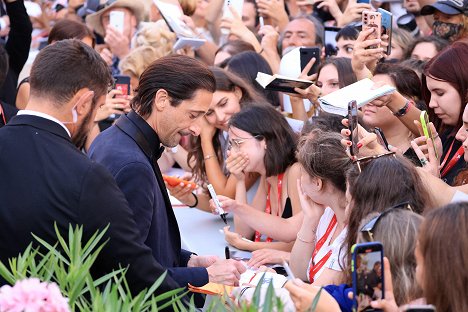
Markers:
{"x": 370, "y": 226}
{"x": 364, "y": 161}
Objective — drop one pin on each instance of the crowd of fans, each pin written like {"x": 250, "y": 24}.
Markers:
{"x": 76, "y": 148}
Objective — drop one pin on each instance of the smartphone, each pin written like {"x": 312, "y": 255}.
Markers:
{"x": 387, "y": 28}
{"x": 419, "y": 308}
{"x": 122, "y": 83}
{"x": 116, "y": 20}
{"x": 174, "y": 181}
{"x": 372, "y": 20}
{"x": 237, "y": 5}
{"x": 368, "y": 275}
{"x": 381, "y": 138}
{"x": 306, "y": 55}
{"x": 363, "y": 1}
{"x": 424, "y": 119}
{"x": 330, "y": 40}
{"x": 353, "y": 127}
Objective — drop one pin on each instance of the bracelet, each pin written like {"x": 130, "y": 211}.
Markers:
{"x": 196, "y": 201}
{"x": 402, "y": 111}
{"x": 305, "y": 241}
{"x": 208, "y": 157}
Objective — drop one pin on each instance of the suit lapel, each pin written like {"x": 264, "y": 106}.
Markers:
{"x": 127, "y": 126}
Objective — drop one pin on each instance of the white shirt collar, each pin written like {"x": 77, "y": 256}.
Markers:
{"x": 46, "y": 116}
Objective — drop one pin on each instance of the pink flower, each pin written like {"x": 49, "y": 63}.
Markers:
{"x": 32, "y": 295}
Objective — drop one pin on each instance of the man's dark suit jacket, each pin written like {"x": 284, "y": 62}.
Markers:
{"x": 128, "y": 150}
{"x": 44, "y": 179}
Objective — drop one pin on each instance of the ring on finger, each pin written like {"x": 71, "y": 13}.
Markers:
{"x": 423, "y": 161}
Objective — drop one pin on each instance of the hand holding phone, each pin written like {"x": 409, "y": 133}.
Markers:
{"x": 227, "y": 14}
{"x": 175, "y": 181}
{"x": 353, "y": 127}
{"x": 387, "y": 28}
{"x": 116, "y": 20}
{"x": 424, "y": 118}
{"x": 368, "y": 275}
{"x": 372, "y": 20}
{"x": 306, "y": 55}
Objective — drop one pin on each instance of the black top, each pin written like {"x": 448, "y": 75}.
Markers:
{"x": 17, "y": 47}
{"x": 130, "y": 150}
{"x": 46, "y": 179}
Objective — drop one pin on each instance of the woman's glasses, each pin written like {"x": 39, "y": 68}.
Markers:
{"x": 238, "y": 142}
{"x": 364, "y": 161}
{"x": 370, "y": 226}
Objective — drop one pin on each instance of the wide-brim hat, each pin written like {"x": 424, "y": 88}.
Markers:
{"x": 450, "y": 7}
{"x": 136, "y": 6}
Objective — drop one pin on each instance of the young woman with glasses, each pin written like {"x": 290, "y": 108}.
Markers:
{"x": 266, "y": 144}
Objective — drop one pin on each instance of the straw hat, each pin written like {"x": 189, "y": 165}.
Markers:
{"x": 136, "y": 6}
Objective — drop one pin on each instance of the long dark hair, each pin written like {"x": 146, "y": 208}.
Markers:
{"x": 266, "y": 123}
{"x": 384, "y": 182}
{"x": 225, "y": 81}
{"x": 246, "y": 65}
{"x": 443, "y": 244}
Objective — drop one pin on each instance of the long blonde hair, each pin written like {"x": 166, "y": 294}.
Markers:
{"x": 397, "y": 230}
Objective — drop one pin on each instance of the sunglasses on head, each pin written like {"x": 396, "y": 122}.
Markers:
{"x": 370, "y": 226}
{"x": 364, "y": 161}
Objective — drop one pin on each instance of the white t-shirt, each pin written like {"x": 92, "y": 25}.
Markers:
{"x": 335, "y": 258}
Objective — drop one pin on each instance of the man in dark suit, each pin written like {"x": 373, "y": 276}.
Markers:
{"x": 173, "y": 96}
{"x": 46, "y": 179}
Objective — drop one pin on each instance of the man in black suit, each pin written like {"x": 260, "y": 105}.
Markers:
{"x": 46, "y": 179}
{"x": 173, "y": 96}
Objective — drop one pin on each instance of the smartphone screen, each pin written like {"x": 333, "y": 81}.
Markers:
{"x": 116, "y": 20}
{"x": 424, "y": 118}
{"x": 372, "y": 20}
{"x": 306, "y": 55}
{"x": 122, "y": 83}
{"x": 387, "y": 20}
{"x": 353, "y": 127}
{"x": 368, "y": 276}
{"x": 330, "y": 40}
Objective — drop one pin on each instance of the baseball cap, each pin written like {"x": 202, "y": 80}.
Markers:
{"x": 450, "y": 7}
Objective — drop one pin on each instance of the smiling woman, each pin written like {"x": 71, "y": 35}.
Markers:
{"x": 209, "y": 150}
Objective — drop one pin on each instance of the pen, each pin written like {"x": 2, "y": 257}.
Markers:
{"x": 222, "y": 214}
{"x": 288, "y": 271}
{"x": 227, "y": 252}
{"x": 261, "y": 21}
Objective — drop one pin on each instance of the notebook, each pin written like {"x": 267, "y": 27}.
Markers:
{"x": 172, "y": 12}
{"x": 361, "y": 91}
{"x": 281, "y": 83}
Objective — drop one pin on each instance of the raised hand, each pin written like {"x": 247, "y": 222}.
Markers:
{"x": 267, "y": 256}
{"x": 118, "y": 43}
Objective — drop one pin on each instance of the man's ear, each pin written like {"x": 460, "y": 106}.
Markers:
{"x": 161, "y": 100}
{"x": 84, "y": 101}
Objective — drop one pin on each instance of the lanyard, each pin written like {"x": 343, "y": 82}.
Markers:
{"x": 314, "y": 268}
{"x": 453, "y": 160}
{"x": 258, "y": 235}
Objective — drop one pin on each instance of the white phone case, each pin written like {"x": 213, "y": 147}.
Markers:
{"x": 237, "y": 5}
{"x": 116, "y": 20}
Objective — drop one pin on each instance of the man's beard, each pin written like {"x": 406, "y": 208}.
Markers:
{"x": 81, "y": 134}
